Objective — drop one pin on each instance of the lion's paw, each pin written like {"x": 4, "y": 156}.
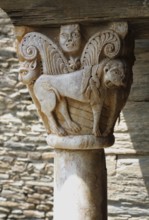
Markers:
{"x": 59, "y": 131}
{"x": 96, "y": 132}
{"x": 74, "y": 127}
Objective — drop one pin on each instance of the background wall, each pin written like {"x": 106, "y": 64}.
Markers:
{"x": 26, "y": 162}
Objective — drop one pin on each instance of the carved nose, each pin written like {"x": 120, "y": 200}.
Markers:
{"x": 69, "y": 38}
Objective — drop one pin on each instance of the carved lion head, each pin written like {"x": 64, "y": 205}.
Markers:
{"x": 114, "y": 73}
{"x": 28, "y": 72}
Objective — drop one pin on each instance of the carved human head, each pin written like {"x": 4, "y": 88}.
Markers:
{"x": 114, "y": 73}
{"x": 70, "y": 38}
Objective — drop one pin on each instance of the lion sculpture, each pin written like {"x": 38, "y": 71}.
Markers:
{"x": 87, "y": 85}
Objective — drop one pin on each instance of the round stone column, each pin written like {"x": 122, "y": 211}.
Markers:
{"x": 80, "y": 189}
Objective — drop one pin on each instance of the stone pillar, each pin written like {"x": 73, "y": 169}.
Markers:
{"x": 80, "y": 189}
{"x": 79, "y": 86}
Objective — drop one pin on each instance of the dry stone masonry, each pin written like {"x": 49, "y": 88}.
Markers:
{"x": 26, "y": 162}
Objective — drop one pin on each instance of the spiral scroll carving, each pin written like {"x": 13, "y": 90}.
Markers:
{"x": 107, "y": 42}
{"x": 52, "y": 57}
{"x": 27, "y": 50}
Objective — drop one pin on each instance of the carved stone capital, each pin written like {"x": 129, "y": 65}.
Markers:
{"x": 79, "y": 79}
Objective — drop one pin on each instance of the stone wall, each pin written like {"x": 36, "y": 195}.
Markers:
{"x": 26, "y": 162}
{"x": 128, "y": 159}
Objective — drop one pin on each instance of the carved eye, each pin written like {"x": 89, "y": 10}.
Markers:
{"x": 76, "y": 34}
{"x": 23, "y": 72}
{"x": 106, "y": 70}
{"x": 116, "y": 72}
{"x": 32, "y": 66}
{"x": 64, "y": 35}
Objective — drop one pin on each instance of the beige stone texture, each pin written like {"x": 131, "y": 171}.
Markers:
{"x": 22, "y": 134}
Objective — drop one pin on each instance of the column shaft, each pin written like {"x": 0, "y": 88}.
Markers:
{"x": 80, "y": 185}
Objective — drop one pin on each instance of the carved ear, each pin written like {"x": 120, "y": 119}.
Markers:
{"x": 121, "y": 28}
{"x": 33, "y": 64}
{"x": 77, "y": 27}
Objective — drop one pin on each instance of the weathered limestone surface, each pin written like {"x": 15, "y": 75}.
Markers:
{"x": 26, "y": 168}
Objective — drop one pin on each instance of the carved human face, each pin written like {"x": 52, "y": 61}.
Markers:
{"x": 70, "y": 38}
{"x": 114, "y": 73}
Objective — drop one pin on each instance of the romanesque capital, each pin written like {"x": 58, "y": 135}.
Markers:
{"x": 79, "y": 80}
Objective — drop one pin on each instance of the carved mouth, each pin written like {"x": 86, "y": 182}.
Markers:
{"x": 109, "y": 84}
{"x": 70, "y": 45}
